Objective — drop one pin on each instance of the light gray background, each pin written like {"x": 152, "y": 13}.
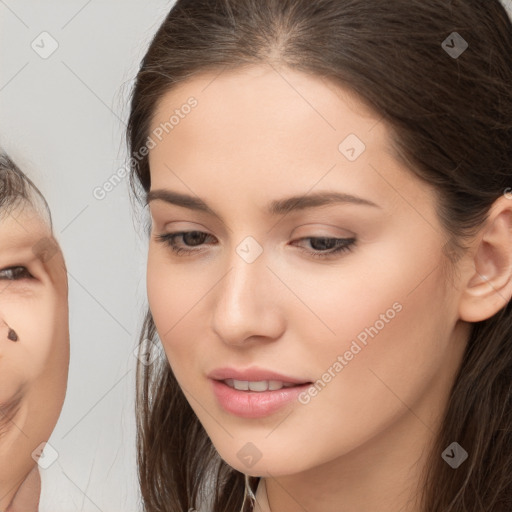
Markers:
{"x": 62, "y": 120}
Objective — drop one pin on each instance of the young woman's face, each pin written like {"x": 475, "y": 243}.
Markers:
{"x": 34, "y": 361}
{"x": 372, "y": 326}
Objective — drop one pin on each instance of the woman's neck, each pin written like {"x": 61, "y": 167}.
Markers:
{"x": 261, "y": 504}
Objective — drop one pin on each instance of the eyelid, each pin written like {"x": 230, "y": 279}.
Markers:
{"x": 182, "y": 226}
{"x": 175, "y": 227}
{"x": 341, "y": 232}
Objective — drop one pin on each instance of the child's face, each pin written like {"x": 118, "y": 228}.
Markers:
{"x": 34, "y": 362}
{"x": 376, "y": 326}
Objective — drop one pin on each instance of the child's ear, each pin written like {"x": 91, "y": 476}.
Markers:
{"x": 487, "y": 286}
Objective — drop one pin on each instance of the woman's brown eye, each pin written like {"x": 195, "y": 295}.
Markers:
{"x": 14, "y": 273}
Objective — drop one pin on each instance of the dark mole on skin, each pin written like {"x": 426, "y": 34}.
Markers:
{"x": 12, "y": 335}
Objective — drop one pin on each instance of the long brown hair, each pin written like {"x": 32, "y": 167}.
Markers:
{"x": 451, "y": 120}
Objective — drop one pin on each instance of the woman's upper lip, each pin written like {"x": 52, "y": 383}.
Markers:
{"x": 253, "y": 374}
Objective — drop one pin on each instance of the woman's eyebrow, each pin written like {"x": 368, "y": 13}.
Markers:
{"x": 275, "y": 207}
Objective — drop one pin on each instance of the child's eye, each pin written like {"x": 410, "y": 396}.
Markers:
{"x": 15, "y": 273}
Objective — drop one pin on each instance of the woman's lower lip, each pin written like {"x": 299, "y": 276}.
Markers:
{"x": 254, "y": 404}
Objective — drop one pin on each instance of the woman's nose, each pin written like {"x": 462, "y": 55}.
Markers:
{"x": 248, "y": 303}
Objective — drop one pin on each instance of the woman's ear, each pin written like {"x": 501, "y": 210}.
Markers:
{"x": 487, "y": 287}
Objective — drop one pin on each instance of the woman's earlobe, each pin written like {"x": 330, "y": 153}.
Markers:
{"x": 489, "y": 287}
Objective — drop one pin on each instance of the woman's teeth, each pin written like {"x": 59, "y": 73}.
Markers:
{"x": 262, "y": 385}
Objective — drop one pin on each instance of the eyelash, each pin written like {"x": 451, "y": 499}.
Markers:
{"x": 346, "y": 244}
{"x": 15, "y": 270}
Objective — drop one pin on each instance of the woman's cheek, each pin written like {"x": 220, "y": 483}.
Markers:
{"x": 35, "y": 322}
{"x": 172, "y": 292}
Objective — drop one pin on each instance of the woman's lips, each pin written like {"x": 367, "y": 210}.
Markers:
{"x": 254, "y": 404}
